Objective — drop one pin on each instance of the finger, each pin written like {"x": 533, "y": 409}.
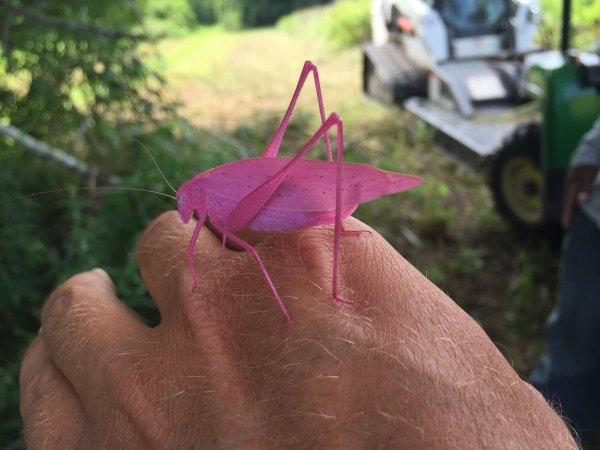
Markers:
{"x": 89, "y": 331}
{"x": 162, "y": 254}
{"x": 52, "y": 413}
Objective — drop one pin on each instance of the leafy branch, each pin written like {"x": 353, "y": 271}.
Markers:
{"x": 76, "y": 27}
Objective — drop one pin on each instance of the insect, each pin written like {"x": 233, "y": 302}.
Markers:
{"x": 279, "y": 194}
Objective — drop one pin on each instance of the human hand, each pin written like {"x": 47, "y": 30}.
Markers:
{"x": 223, "y": 369}
{"x": 578, "y": 188}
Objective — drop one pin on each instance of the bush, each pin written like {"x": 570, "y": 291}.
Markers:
{"x": 349, "y": 22}
{"x": 70, "y": 80}
{"x": 170, "y": 18}
{"x": 234, "y": 14}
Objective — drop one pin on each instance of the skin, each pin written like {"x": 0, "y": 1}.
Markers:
{"x": 223, "y": 370}
{"x": 578, "y": 188}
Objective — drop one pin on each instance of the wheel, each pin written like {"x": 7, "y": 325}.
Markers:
{"x": 517, "y": 181}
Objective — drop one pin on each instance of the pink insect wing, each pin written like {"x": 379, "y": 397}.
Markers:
{"x": 306, "y": 196}
{"x": 224, "y": 187}
{"x": 311, "y": 186}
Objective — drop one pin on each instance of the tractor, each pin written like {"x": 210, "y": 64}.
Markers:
{"x": 471, "y": 70}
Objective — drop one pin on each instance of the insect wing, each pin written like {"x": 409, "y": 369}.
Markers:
{"x": 310, "y": 185}
{"x": 222, "y": 188}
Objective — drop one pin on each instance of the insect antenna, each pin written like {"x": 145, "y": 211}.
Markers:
{"x": 103, "y": 188}
{"x": 155, "y": 163}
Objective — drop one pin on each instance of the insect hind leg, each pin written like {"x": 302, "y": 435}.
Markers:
{"x": 247, "y": 247}
{"x": 332, "y": 121}
{"x": 190, "y": 252}
{"x": 273, "y": 146}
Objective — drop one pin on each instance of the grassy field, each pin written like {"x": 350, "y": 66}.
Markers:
{"x": 234, "y": 88}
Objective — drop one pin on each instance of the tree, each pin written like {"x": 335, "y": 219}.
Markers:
{"x": 71, "y": 74}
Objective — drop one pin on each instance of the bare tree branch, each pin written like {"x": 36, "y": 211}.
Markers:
{"x": 55, "y": 154}
{"x": 72, "y": 26}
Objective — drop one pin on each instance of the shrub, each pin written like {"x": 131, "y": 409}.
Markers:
{"x": 234, "y": 14}
{"x": 170, "y": 18}
{"x": 349, "y": 22}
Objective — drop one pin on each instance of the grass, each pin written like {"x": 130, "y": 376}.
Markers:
{"x": 234, "y": 88}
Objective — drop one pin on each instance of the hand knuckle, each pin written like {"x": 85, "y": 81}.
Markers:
{"x": 70, "y": 302}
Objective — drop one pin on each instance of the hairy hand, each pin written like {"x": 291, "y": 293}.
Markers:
{"x": 223, "y": 370}
{"x": 578, "y": 188}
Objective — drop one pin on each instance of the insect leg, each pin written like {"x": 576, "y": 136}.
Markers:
{"x": 246, "y": 246}
{"x": 222, "y": 255}
{"x": 332, "y": 120}
{"x": 250, "y": 206}
{"x": 191, "y": 247}
{"x": 273, "y": 146}
{"x": 338, "y": 226}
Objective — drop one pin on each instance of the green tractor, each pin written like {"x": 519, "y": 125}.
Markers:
{"x": 519, "y": 113}
{"x": 527, "y": 172}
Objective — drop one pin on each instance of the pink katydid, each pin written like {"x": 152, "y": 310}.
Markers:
{"x": 276, "y": 194}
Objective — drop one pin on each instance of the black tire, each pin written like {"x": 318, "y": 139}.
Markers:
{"x": 517, "y": 181}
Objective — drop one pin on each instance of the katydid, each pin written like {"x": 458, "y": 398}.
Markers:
{"x": 276, "y": 194}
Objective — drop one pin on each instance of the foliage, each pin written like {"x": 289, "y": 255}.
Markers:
{"x": 204, "y": 11}
{"x": 235, "y": 14}
{"x": 72, "y": 88}
{"x": 349, "y": 22}
{"x": 71, "y": 76}
{"x": 172, "y": 18}
{"x": 585, "y": 19}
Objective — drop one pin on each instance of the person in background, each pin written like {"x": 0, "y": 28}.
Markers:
{"x": 568, "y": 374}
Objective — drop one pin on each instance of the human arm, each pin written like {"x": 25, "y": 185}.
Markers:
{"x": 223, "y": 370}
{"x": 583, "y": 171}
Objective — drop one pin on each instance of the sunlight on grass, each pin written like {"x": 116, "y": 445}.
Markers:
{"x": 227, "y": 78}
{"x": 194, "y": 54}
